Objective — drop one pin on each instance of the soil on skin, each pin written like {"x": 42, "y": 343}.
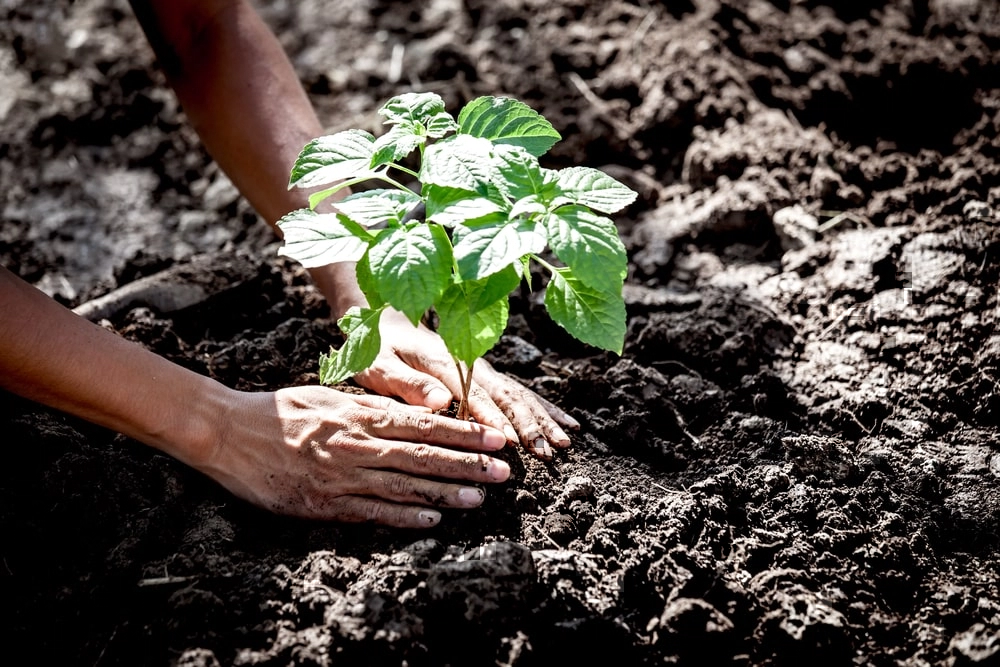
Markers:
{"x": 793, "y": 462}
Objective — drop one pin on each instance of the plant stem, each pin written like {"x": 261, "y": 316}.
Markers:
{"x": 405, "y": 170}
{"x": 465, "y": 376}
{"x": 391, "y": 181}
{"x": 544, "y": 264}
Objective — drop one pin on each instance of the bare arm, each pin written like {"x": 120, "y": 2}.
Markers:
{"x": 50, "y": 355}
{"x": 241, "y": 94}
{"x": 307, "y": 451}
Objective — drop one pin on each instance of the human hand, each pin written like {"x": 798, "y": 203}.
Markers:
{"x": 415, "y": 365}
{"x": 319, "y": 453}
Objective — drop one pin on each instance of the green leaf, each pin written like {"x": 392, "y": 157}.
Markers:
{"x": 412, "y": 266}
{"x": 374, "y": 207}
{"x": 395, "y": 145}
{"x": 335, "y": 157}
{"x": 517, "y": 174}
{"x": 471, "y": 318}
{"x": 497, "y": 286}
{"x": 361, "y": 346}
{"x": 589, "y": 244}
{"x": 317, "y": 239}
{"x": 593, "y": 188}
{"x": 366, "y": 281}
{"x": 412, "y": 108}
{"x": 317, "y": 197}
{"x": 592, "y": 316}
{"x": 440, "y": 124}
{"x": 460, "y": 162}
{"x": 452, "y": 206}
{"x": 527, "y": 207}
{"x": 485, "y": 249}
{"x": 523, "y": 269}
{"x": 506, "y": 121}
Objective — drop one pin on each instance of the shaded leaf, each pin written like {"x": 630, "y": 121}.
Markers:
{"x": 472, "y": 316}
{"x": 592, "y": 316}
{"x": 411, "y": 267}
{"x": 395, "y": 145}
{"x": 482, "y": 250}
{"x": 517, "y": 174}
{"x": 589, "y": 244}
{"x": 361, "y": 346}
{"x": 452, "y": 206}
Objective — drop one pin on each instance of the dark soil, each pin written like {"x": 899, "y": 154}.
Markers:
{"x": 794, "y": 462}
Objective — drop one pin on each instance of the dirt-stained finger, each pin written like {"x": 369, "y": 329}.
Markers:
{"x": 434, "y": 429}
{"x": 402, "y": 488}
{"x": 430, "y": 461}
{"x": 539, "y": 432}
{"x": 356, "y": 509}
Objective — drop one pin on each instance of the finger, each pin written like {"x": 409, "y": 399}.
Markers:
{"x": 370, "y": 510}
{"x": 417, "y": 427}
{"x": 427, "y": 461}
{"x": 525, "y": 409}
{"x": 561, "y": 417}
{"x": 385, "y": 403}
{"x": 401, "y": 488}
{"x": 392, "y": 377}
{"x": 486, "y": 411}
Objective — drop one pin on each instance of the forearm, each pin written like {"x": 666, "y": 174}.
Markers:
{"x": 52, "y": 356}
{"x": 241, "y": 94}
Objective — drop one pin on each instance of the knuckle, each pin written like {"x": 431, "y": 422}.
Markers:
{"x": 399, "y": 486}
{"x": 426, "y": 426}
{"x": 379, "y": 419}
{"x": 421, "y": 456}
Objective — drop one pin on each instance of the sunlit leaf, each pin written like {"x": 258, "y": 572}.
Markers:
{"x": 332, "y": 158}
{"x": 506, "y": 121}
{"x": 317, "y": 239}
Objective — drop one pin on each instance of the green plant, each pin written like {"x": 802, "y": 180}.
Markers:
{"x": 490, "y": 210}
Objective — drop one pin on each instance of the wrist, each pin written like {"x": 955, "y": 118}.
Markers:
{"x": 194, "y": 433}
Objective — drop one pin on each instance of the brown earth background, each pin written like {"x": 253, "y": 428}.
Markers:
{"x": 794, "y": 462}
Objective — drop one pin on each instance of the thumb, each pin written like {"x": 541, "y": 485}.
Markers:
{"x": 395, "y": 378}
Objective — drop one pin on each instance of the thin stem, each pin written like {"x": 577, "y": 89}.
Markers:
{"x": 465, "y": 376}
{"x": 405, "y": 170}
{"x": 544, "y": 264}
{"x": 316, "y": 197}
{"x": 384, "y": 177}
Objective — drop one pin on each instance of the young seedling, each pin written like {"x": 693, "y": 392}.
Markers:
{"x": 490, "y": 209}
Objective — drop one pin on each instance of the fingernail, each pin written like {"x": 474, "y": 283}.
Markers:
{"x": 541, "y": 448}
{"x": 511, "y": 434}
{"x": 499, "y": 470}
{"x": 494, "y": 439}
{"x": 559, "y": 438}
{"x": 429, "y": 517}
{"x": 470, "y": 496}
{"x": 438, "y": 398}
{"x": 572, "y": 423}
